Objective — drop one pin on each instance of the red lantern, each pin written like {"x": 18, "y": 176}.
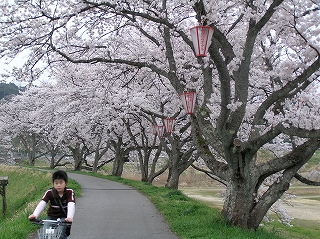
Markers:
{"x": 188, "y": 101}
{"x": 154, "y": 129}
{"x": 168, "y": 123}
{"x": 201, "y": 38}
{"x": 160, "y": 130}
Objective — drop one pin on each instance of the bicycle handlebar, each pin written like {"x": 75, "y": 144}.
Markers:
{"x": 55, "y": 222}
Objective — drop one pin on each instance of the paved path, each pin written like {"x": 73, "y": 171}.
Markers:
{"x": 111, "y": 210}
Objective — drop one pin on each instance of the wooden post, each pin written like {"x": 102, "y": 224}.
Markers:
{"x": 3, "y": 184}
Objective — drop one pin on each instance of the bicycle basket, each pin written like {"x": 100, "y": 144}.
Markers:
{"x": 52, "y": 232}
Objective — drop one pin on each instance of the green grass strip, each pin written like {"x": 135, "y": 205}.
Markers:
{"x": 23, "y": 192}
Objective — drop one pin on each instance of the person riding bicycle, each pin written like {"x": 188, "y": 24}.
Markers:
{"x": 62, "y": 202}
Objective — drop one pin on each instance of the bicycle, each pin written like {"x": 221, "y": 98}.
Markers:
{"x": 50, "y": 229}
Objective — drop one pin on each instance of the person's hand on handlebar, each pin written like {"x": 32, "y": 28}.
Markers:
{"x": 32, "y": 217}
{"x": 68, "y": 219}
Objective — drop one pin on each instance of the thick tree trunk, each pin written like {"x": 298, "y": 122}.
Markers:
{"x": 77, "y": 162}
{"x": 242, "y": 189}
{"x": 95, "y": 164}
{"x": 178, "y": 166}
{"x": 179, "y": 161}
{"x": 244, "y": 206}
{"x": 78, "y": 159}
{"x": 31, "y": 149}
{"x": 31, "y": 156}
{"x": 97, "y": 156}
{"x": 238, "y": 202}
{"x": 52, "y": 160}
{"x": 118, "y": 166}
{"x": 173, "y": 180}
{"x": 144, "y": 166}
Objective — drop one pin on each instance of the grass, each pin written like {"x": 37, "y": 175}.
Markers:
{"x": 24, "y": 190}
{"x": 314, "y": 161}
{"x": 302, "y": 229}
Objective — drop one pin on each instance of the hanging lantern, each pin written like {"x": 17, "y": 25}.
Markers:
{"x": 201, "y": 38}
{"x": 154, "y": 129}
{"x": 160, "y": 131}
{"x": 168, "y": 123}
{"x": 188, "y": 101}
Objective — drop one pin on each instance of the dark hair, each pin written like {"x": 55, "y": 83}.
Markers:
{"x": 60, "y": 175}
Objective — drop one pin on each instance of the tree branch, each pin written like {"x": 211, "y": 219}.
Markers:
{"x": 305, "y": 180}
{"x": 299, "y": 155}
{"x": 290, "y": 89}
{"x": 210, "y": 174}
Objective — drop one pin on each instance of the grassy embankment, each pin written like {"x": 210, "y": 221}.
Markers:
{"x": 25, "y": 189}
{"x": 188, "y": 217}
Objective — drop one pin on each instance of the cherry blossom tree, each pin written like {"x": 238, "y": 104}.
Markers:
{"x": 147, "y": 147}
{"x": 177, "y": 144}
{"x": 93, "y": 109}
{"x": 256, "y": 89}
{"x": 163, "y": 103}
{"x": 6, "y": 150}
{"x": 18, "y": 121}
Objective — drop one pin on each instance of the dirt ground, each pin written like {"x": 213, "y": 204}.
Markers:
{"x": 302, "y": 208}
{"x": 305, "y": 209}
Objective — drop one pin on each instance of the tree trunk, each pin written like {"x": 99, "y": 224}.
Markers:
{"x": 154, "y": 174}
{"x": 52, "y": 160}
{"x": 95, "y": 163}
{"x": 149, "y": 175}
{"x": 237, "y": 205}
{"x": 144, "y": 164}
{"x": 173, "y": 179}
{"x": 31, "y": 156}
{"x": 77, "y": 156}
{"x": 97, "y": 156}
{"x": 77, "y": 161}
{"x": 118, "y": 166}
{"x": 179, "y": 160}
{"x": 245, "y": 206}
{"x": 31, "y": 148}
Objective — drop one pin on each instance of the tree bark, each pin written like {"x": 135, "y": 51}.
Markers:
{"x": 77, "y": 154}
{"x": 179, "y": 160}
{"x": 173, "y": 178}
{"x": 121, "y": 156}
{"x": 97, "y": 156}
{"x": 238, "y": 200}
{"x": 118, "y": 166}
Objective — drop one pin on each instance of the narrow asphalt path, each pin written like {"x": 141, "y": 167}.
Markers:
{"x": 111, "y": 210}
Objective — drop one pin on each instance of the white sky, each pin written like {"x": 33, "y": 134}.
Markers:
{"x": 8, "y": 64}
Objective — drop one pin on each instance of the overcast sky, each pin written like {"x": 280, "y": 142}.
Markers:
{"x": 8, "y": 64}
